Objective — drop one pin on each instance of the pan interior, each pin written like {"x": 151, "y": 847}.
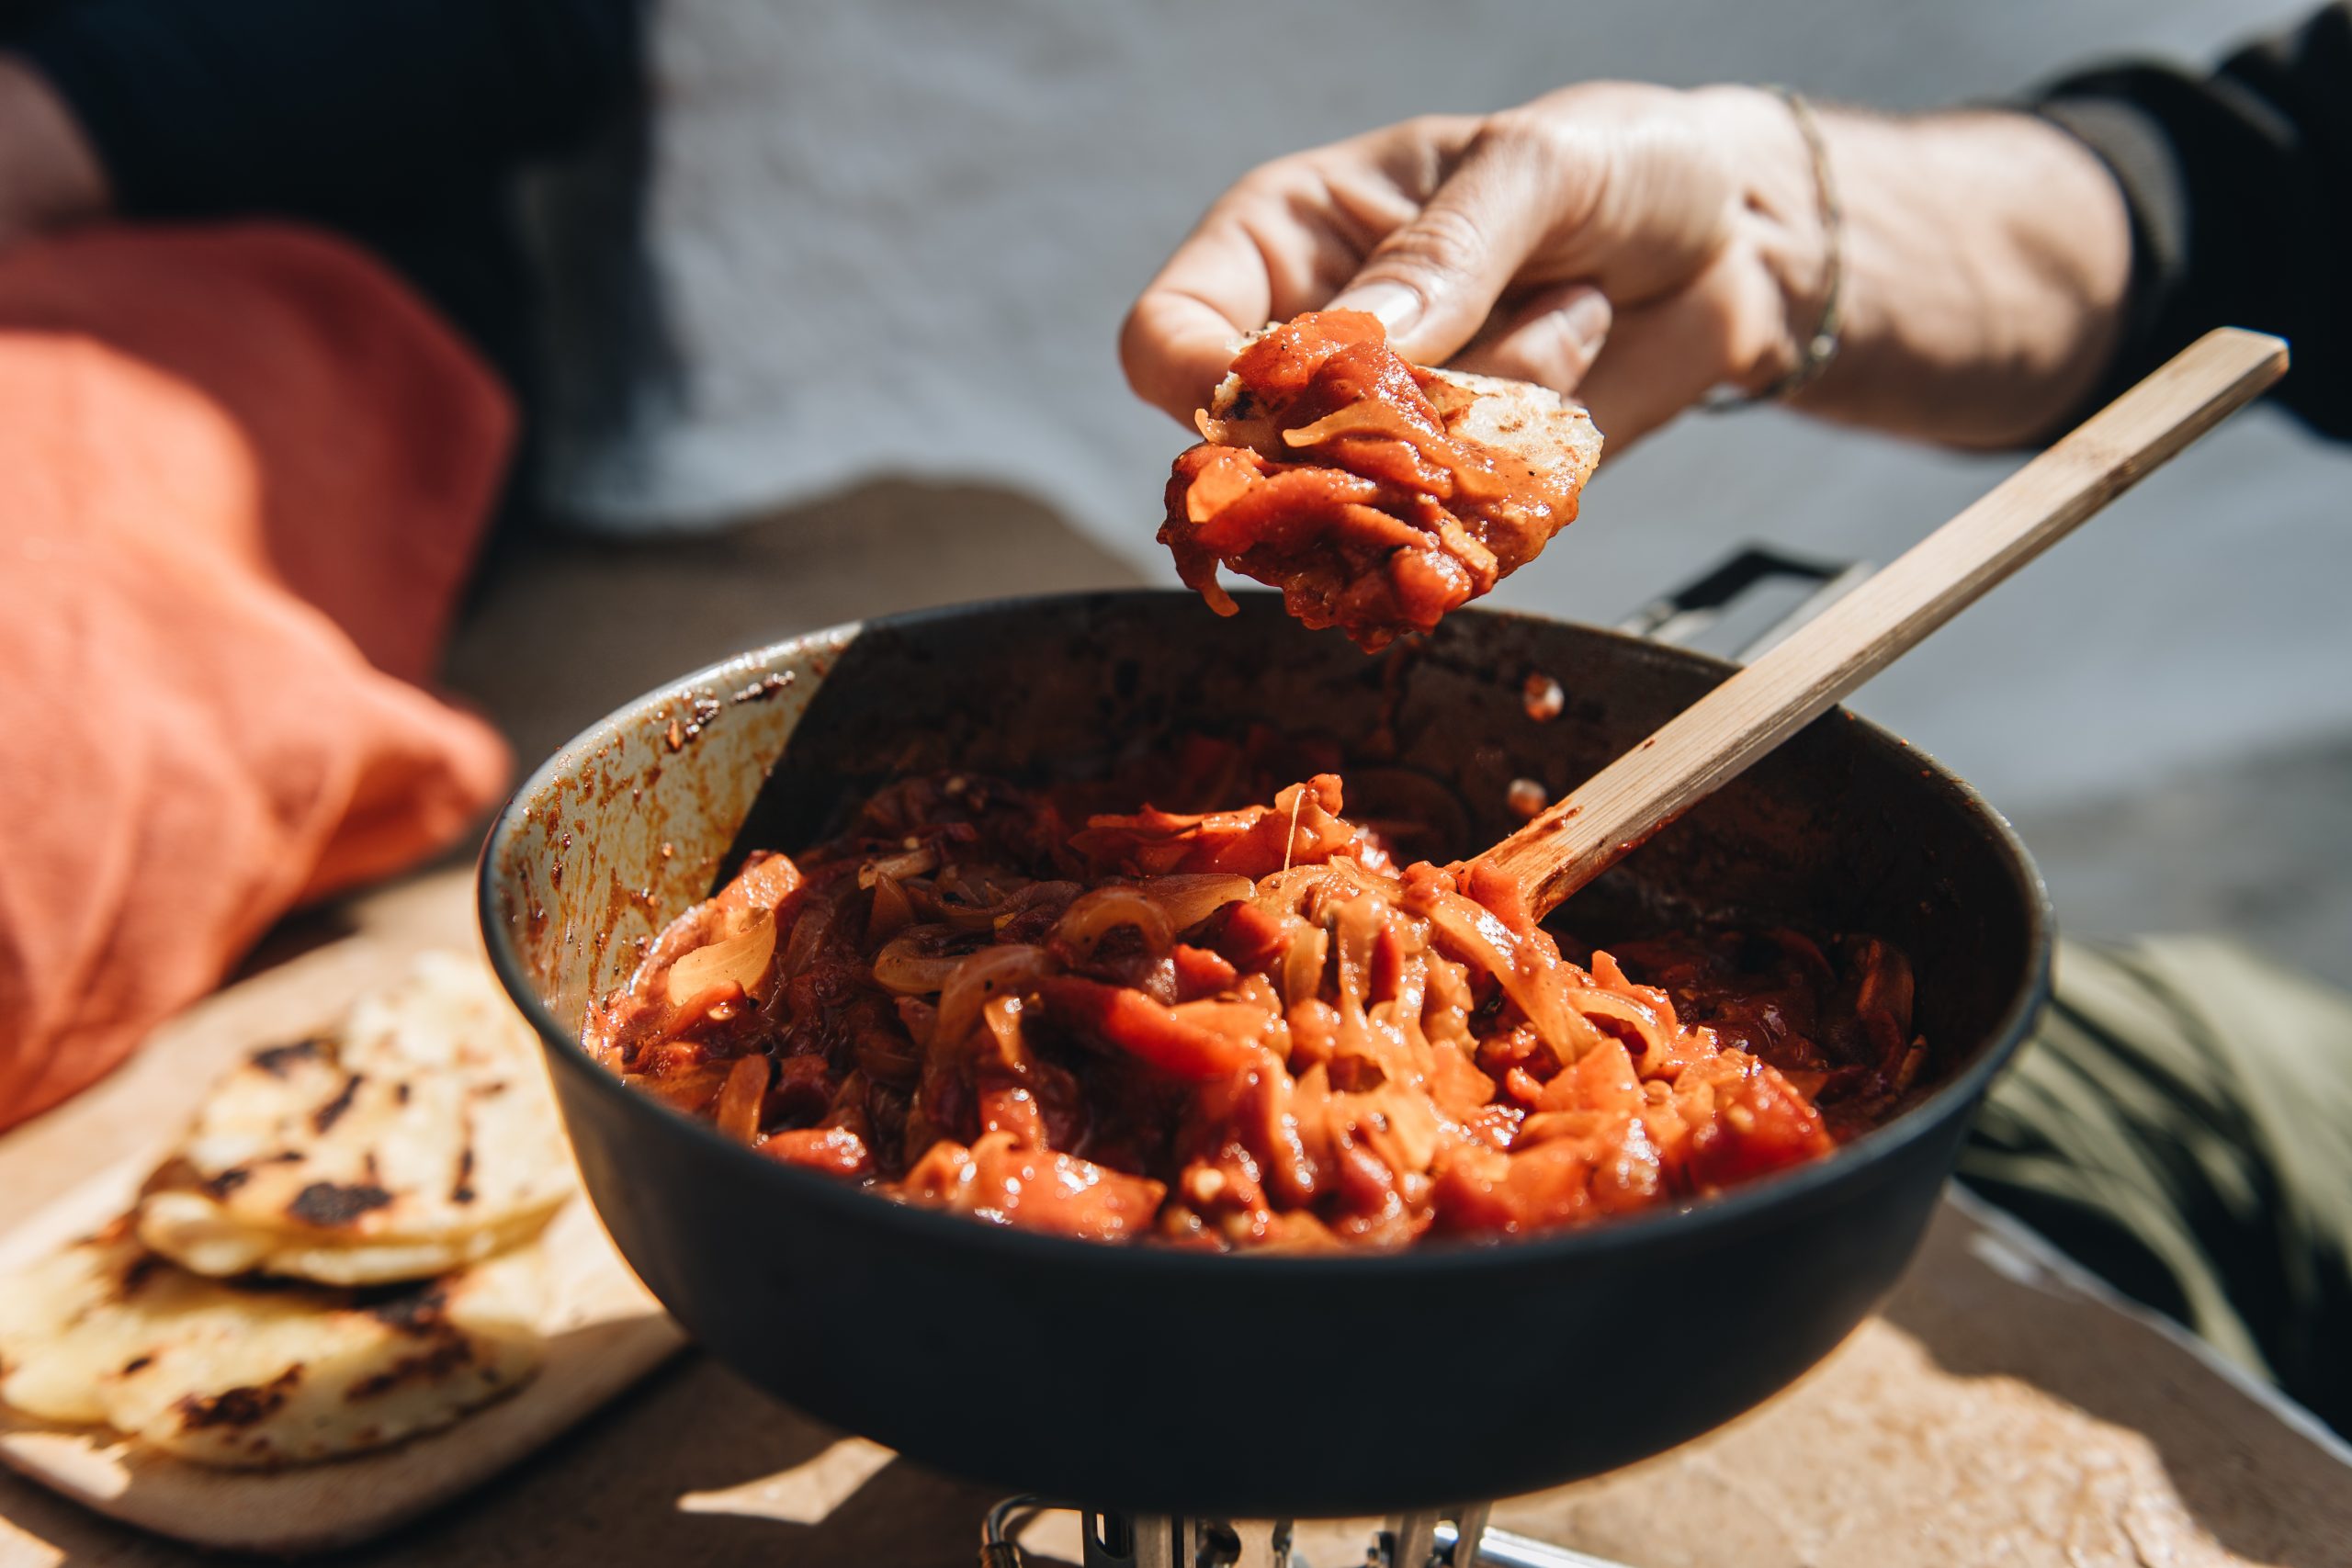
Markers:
{"x": 1844, "y": 829}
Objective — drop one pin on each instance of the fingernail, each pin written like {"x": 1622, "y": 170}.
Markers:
{"x": 1397, "y": 306}
{"x": 1585, "y": 319}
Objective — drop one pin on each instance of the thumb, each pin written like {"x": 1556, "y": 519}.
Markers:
{"x": 1433, "y": 280}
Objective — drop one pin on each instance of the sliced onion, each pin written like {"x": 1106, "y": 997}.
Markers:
{"x": 1002, "y": 1016}
{"x": 741, "y": 959}
{"x": 1449, "y": 985}
{"x": 1355, "y": 925}
{"x": 1412, "y": 1135}
{"x": 1188, "y": 900}
{"x": 691, "y": 1090}
{"x": 808, "y": 934}
{"x": 1093, "y": 916}
{"x": 1286, "y": 892}
{"x": 1644, "y": 1021}
{"x": 1474, "y": 475}
{"x": 989, "y": 973}
{"x": 1479, "y": 937}
{"x": 912, "y": 863}
{"x": 970, "y": 917}
{"x": 1412, "y": 985}
{"x": 1366, "y": 416}
{"x": 1303, "y": 965}
{"x": 891, "y": 911}
{"x": 719, "y": 1002}
{"x": 738, "y": 1110}
{"x": 910, "y": 964}
{"x": 1885, "y": 984}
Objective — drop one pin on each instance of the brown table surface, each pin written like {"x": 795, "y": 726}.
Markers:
{"x": 1997, "y": 1410}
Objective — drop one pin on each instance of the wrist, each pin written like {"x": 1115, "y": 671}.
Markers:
{"x": 1786, "y": 232}
{"x": 1987, "y": 255}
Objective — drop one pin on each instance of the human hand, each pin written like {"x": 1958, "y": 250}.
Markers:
{"x": 1633, "y": 246}
{"x": 1638, "y": 247}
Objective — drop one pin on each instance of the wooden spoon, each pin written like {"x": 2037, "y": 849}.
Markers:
{"x": 1577, "y": 838}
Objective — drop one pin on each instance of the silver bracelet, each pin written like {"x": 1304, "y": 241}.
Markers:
{"x": 1821, "y": 346}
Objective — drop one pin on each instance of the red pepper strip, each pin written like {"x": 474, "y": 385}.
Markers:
{"x": 837, "y": 1151}
{"x": 1199, "y": 973}
{"x": 1136, "y": 1023}
{"x": 1252, "y": 940}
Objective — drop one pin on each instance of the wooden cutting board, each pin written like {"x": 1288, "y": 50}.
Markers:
{"x": 604, "y": 1333}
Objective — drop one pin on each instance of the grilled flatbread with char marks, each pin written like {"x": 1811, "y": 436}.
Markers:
{"x": 418, "y": 1136}
{"x": 261, "y": 1374}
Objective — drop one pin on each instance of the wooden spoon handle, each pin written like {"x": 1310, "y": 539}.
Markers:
{"x": 1580, "y": 837}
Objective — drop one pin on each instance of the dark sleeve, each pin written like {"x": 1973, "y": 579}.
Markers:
{"x": 321, "y": 107}
{"x": 2239, "y": 184}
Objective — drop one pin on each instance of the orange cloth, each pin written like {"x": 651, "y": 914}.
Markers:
{"x": 244, "y": 473}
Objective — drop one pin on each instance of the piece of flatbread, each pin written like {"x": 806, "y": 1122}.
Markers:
{"x": 418, "y": 1136}
{"x": 1533, "y": 424}
{"x": 260, "y": 1373}
{"x": 60, "y": 1295}
{"x": 1394, "y": 559}
{"x": 1549, "y": 433}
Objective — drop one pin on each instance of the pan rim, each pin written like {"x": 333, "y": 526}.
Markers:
{"x": 1687, "y": 1224}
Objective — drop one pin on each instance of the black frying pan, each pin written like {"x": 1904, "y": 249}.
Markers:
{"x": 1254, "y": 1386}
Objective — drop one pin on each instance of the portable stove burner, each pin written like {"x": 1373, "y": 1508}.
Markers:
{"x": 1426, "y": 1539}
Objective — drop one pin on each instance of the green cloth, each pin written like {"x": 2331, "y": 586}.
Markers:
{"x": 2182, "y": 1124}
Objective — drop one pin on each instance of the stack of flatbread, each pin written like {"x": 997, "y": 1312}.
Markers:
{"x": 340, "y": 1254}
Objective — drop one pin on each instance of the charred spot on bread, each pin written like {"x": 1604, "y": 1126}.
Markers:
{"x": 237, "y": 1406}
{"x": 462, "y": 1190}
{"x": 135, "y": 1274}
{"x": 411, "y": 1309}
{"x": 178, "y": 1171}
{"x": 327, "y": 1115}
{"x": 443, "y": 1359}
{"x": 279, "y": 1061}
{"x": 329, "y": 1204}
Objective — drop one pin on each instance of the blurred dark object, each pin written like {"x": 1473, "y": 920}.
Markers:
{"x": 2181, "y": 1126}
{"x": 2240, "y": 186}
{"x": 399, "y": 124}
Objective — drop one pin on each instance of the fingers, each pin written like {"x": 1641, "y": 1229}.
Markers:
{"x": 1175, "y": 347}
{"x": 1665, "y": 357}
{"x": 1434, "y": 280}
{"x": 1279, "y": 241}
{"x": 1431, "y": 223}
{"x": 1550, "y": 340}
{"x": 1179, "y": 337}
{"x": 1661, "y": 358}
